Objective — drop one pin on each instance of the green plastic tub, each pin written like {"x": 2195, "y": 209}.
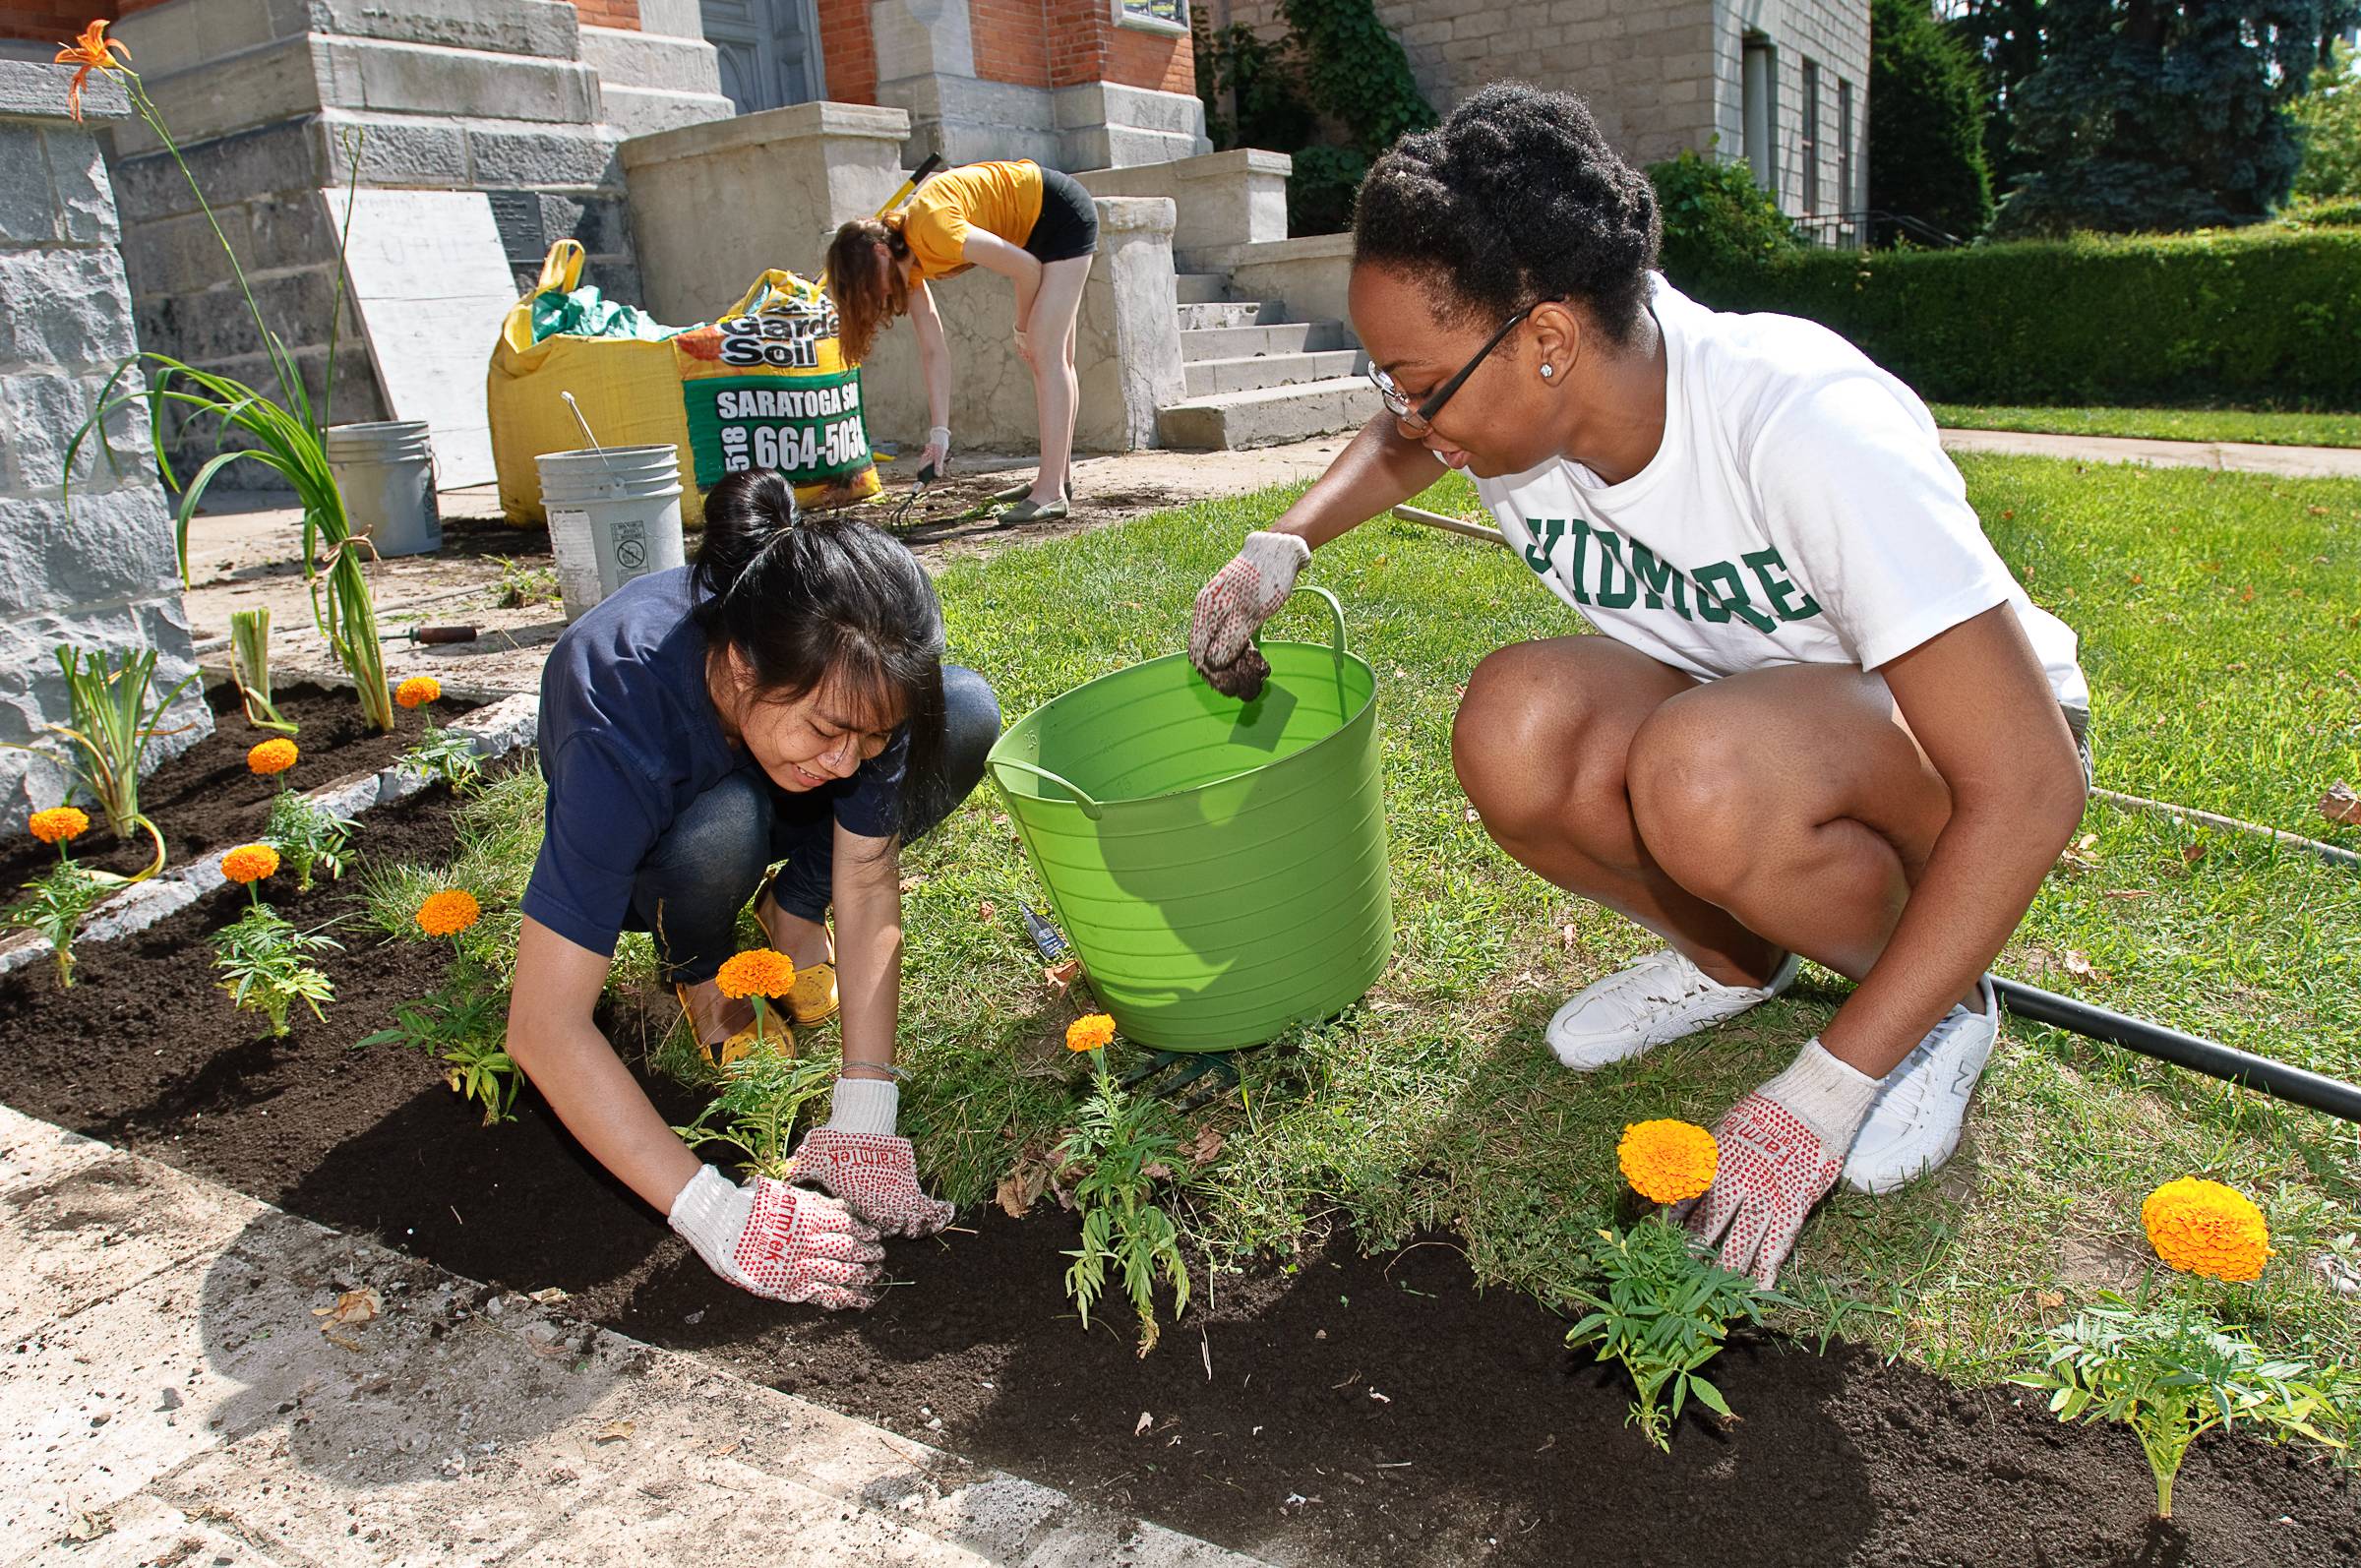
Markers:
{"x": 1220, "y": 866}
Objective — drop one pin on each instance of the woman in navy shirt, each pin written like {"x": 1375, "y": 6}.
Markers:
{"x": 784, "y": 699}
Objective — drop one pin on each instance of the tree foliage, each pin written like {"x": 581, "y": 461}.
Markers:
{"x": 1926, "y": 122}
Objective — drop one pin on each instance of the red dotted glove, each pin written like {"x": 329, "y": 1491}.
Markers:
{"x": 1782, "y": 1148}
{"x": 1233, "y": 607}
{"x": 876, "y": 1177}
{"x": 776, "y": 1242}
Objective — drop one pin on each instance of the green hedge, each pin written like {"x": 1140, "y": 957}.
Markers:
{"x": 2261, "y": 316}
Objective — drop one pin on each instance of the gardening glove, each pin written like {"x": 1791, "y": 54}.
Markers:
{"x": 858, "y": 1158}
{"x": 938, "y": 453}
{"x": 1233, "y": 607}
{"x": 1782, "y": 1148}
{"x": 776, "y": 1242}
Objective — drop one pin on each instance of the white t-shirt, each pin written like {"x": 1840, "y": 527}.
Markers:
{"x": 1801, "y": 510}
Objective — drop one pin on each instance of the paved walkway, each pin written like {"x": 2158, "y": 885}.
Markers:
{"x": 2241, "y": 456}
{"x": 192, "y": 1377}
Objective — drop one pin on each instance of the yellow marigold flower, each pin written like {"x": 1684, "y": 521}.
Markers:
{"x": 274, "y": 755}
{"x": 250, "y": 863}
{"x": 1668, "y": 1161}
{"x": 59, "y": 825}
{"x": 2201, "y": 1226}
{"x": 418, "y": 691}
{"x": 1091, "y": 1033}
{"x": 449, "y": 912}
{"x": 760, "y": 972}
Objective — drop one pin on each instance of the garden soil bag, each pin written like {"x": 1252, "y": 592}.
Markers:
{"x": 762, "y": 386}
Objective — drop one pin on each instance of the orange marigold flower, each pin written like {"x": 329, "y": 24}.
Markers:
{"x": 2201, "y": 1226}
{"x": 250, "y": 863}
{"x": 418, "y": 691}
{"x": 90, "y": 51}
{"x": 449, "y": 912}
{"x": 274, "y": 755}
{"x": 1668, "y": 1161}
{"x": 1091, "y": 1033}
{"x": 760, "y": 972}
{"x": 59, "y": 825}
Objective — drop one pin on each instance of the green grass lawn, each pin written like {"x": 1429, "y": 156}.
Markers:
{"x": 2162, "y": 424}
{"x": 1433, "y": 1104}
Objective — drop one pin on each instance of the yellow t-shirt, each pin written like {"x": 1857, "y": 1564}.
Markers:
{"x": 1002, "y": 198}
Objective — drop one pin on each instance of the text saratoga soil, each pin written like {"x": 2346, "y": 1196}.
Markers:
{"x": 1347, "y": 1409}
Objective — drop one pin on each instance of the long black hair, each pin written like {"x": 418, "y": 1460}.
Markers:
{"x": 1515, "y": 198}
{"x": 806, "y": 599}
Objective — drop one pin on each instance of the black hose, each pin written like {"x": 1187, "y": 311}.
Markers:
{"x": 2282, "y": 1081}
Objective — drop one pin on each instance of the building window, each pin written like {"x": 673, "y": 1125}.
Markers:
{"x": 1760, "y": 99}
{"x": 1848, "y": 200}
{"x": 1153, "y": 16}
{"x": 1809, "y": 146}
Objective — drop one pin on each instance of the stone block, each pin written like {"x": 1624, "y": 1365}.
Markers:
{"x": 647, "y": 112}
{"x": 504, "y": 158}
{"x": 64, "y": 308}
{"x": 28, "y": 210}
{"x": 36, "y": 89}
{"x": 44, "y": 410}
{"x": 601, "y": 224}
{"x": 546, "y": 29}
{"x": 167, "y": 41}
{"x": 420, "y": 79}
{"x": 232, "y": 169}
{"x": 394, "y": 150}
{"x": 109, "y": 546}
{"x": 295, "y": 227}
{"x": 627, "y": 59}
{"x": 181, "y": 254}
{"x": 85, "y": 197}
{"x": 229, "y": 93}
{"x": 215, "y": 325}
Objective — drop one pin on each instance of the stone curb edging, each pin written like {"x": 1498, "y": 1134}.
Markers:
{"x": 501, "y": 726}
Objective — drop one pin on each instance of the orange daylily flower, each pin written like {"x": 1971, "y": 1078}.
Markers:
{"x": 90, "y": 51}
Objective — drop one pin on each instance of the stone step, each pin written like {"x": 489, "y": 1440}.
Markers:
{"x": 1201, "y": 288}
{"x": 1207, "y": 377}
{"x": 1269, "y": 416}
{"x": 1245, "y": 342}
{"x": 1214, "y": 315}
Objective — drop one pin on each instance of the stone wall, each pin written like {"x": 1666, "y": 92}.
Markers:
{"x": 1662, "y": 78}
{"x": 94, "y": 568}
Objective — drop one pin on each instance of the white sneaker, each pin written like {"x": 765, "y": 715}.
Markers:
{"x": 1653, "y": 1002}
{"x": 1914, "y": 1121}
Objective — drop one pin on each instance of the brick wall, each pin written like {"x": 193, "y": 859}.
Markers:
{"x": 848, "y": 51}
{"x": 1010, "y": 41}
{"x": 1834, "y": 36}
{"x": 610, "y": 13}
{"x": 1153, "y": 60}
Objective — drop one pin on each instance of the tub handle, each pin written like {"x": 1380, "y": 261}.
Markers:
{"x": 1336, "y": 611}
{"x": 1090, "y": 808}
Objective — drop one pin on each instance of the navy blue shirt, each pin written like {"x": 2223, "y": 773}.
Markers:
{"x": 629, "y": 738}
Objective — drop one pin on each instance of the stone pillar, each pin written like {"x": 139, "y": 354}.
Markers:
{"x": 94, "y": 568}
{"x": 490, "y": 95}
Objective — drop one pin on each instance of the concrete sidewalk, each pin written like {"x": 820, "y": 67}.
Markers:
{"x": 195, "y": 1378}
{"x": 2233, "y": 456}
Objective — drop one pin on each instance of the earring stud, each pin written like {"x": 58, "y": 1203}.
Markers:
{"x": 1549, "y": 371}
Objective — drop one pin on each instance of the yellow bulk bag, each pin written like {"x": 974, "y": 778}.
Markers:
{"x": 765, "y": 387}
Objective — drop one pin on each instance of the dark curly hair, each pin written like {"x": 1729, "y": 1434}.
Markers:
{"x": 1514, "y": 198}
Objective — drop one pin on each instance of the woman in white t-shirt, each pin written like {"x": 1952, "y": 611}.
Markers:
{"x": 1823, "y": 722}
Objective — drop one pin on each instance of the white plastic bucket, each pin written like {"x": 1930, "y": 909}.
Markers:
{"x": 386, "y": 472}
{"x": 614, "y": 515}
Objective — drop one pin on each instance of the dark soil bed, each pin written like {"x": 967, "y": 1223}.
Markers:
{"x": 1347, "y": 1409}
{"x": 205, "y": 798}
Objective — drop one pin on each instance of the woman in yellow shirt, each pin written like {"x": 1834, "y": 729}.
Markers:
{"x": 1035, "y": 228}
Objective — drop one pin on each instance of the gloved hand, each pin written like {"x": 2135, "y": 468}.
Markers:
{"x": 1233, "y": 607}
{"x": 859, "y": 1159}
{"x": 776, "y": 1242}
{"x": 937, "y": 451}
{"x": 1782, "y": 1149}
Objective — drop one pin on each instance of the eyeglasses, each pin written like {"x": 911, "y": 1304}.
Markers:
{"x": 1397, "y": 402}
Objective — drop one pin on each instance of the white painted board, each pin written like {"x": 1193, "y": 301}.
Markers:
{"x": 432, "y": 283}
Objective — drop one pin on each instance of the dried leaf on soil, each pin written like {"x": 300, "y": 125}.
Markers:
{"x": 2192, "y": 853}
{"x": 613, "y": 1433}
{"x": 2341, "y": 803}
{"x": 1205, "y": 1148}
{"x": 1145, "y": 1421}
{"x": 2079, "y": 964}
{"x": 353, "y": 1307}
{"x": 1022, "y": 1185}
{"x": 1060, "y": 979}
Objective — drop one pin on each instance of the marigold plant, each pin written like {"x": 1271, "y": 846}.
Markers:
{"x": 758, "y": 974}
{"x": 449, "y": 912}
{"x": 2201, "y": 1226}
{"x": 55, "y": 909}
{"x": 1668, "y": 1161}
{"x": 59, "y": 825}
{"x": 274, "y": 755}
{"x": 1092, "y": 1032}
{"x": 418, "y": 691}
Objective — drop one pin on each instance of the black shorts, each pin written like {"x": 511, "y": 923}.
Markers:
{"x": 1068, "y": 225}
